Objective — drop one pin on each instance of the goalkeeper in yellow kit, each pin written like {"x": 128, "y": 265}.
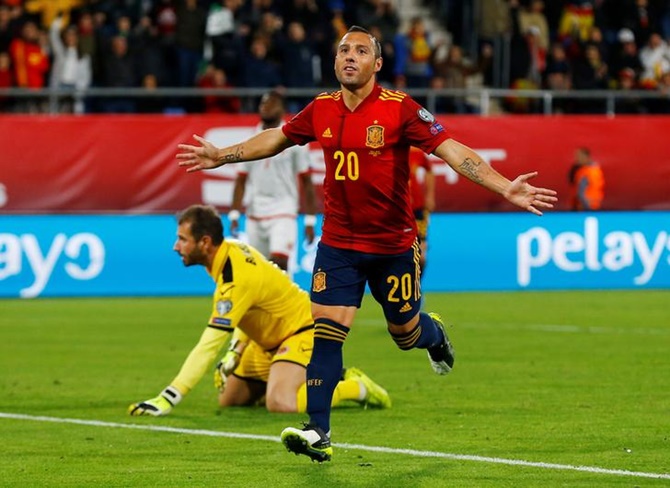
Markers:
{"x": 270, "y": 319}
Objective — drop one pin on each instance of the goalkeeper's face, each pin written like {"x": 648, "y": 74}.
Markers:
{"x": 191, "y": 251}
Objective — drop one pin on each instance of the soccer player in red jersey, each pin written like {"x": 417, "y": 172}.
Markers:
{"x": 369, "y": 232}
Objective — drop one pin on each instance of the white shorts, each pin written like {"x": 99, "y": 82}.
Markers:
{"x": 270, "y": 236}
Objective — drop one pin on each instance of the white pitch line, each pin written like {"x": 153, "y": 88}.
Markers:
{"x": 359, "y": 447}
{"x": 565, "y": 328}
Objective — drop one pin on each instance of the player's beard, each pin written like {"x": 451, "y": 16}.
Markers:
{"x": 193, "y": 258}
{"x": 270, "y": 121}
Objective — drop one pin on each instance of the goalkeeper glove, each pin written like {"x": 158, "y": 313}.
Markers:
{"x": 225, "y": 368}
{"x": 161, "y": 405}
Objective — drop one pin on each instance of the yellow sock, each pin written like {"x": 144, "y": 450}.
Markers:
{"x": 345, "y": 390}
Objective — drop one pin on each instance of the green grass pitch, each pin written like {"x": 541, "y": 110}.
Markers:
{"x": 564, "y": 378}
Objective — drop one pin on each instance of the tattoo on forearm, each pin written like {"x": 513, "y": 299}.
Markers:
{"x": 470, "y": 168}
{"x": 234, "y": 157}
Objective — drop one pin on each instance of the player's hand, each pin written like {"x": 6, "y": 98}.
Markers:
{"x": 524, "y": 195}
{"x": 229, "y": 362}
{"x": 309, "y": 233}
{"x": 197, "y": 158}
{"x": 158, "y": 406}
{"x": 225, "y": 368}
{"x": 235, "y": 228}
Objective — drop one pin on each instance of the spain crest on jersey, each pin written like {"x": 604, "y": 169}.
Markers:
{"x": 375, "y": 137}
{"x": 319, "y": 282}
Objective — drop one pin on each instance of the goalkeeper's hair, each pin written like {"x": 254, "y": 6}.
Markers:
{"x": 204, "y": 220}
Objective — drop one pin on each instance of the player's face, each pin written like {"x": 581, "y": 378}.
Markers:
{"x": 190, "y": 250}
{"x": 270, "y": 109}
{"x": 355, "y": 62}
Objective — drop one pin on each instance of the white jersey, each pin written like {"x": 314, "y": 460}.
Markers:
{"x": 272, "y": 184}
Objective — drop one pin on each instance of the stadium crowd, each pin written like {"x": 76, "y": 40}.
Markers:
{"x": 560, "y": 45}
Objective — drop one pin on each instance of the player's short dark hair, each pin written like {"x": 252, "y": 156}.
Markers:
{"x": 375, "y": 41}
{"x": 205, "y": 221}
{"x": 277, "y": 95}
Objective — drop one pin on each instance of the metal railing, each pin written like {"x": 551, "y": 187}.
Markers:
{"x": 482, "y": 100}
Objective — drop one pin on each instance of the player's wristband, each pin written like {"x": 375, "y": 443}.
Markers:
{"x": 310, "y": 220}
{"x": 172, "y": 395}
{"x": 234, "y": 215}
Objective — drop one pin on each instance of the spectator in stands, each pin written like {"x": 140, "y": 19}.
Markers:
{"x": 527, "y": 59}
{"x": 259, "y": 71}
{"x": 587, "y": 181}
{"x": 164, "y": 17}
{"x": 385, "y": 76}
{"x": 558, "y": 76}
{"x": 456, "y": 70}
{"x": 189, "y": 40}
{"x": 494, "y": 27}
{"x": 655, "y": 59}
{"x": 224, "y": 41}
{"x": 119, "y": 71}
{"x": 533, "y": 16}
{"x": 71, "y": 69}
{"x": 216, "y": 78}
{"x": 6, "y": 80}
{"x": 270, "y": 28}
{"x": 380, "y": 13}
{"x": 123, "y": 26}
{"x": 319, "y": 30}
{"x": 626, "y": 55}
{"x": 596, "y": 38}
{"x": 591, "y": 73}
{"x": 414, "y": 52}
{"x": 150, "y": 104}
{"x": 7, "y": 28}
{"x": 31, "y": 64}
{"x": 149, "y": 51}
{"x": 87, "y": 39}
{"x": 639, "y": 17}
{"x": 297, "y": 61}
{"x": 627, "y": 81}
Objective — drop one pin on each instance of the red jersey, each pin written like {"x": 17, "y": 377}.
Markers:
{"x": 30, "y": 63}
{"x": 417, "y": 159}
{"x": 366, "y": 187}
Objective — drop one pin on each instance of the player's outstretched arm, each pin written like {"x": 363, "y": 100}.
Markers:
{"x": 468, "y": 163}
{"x": 206, "y": 155}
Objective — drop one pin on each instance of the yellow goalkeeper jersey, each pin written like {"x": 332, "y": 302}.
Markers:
{"x": 252, "y": 296}
{"x": 256, "y": 296}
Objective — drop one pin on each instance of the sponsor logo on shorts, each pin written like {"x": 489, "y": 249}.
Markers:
{"x": 319, "y": 282}
{"x": 282, "y": 350}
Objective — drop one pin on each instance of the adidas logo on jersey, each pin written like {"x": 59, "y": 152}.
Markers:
{"x": 406, "y": 307}
{"x": 327, "y": 133}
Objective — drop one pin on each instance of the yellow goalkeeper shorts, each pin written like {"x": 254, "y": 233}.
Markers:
{"x": 256, "y": 362}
